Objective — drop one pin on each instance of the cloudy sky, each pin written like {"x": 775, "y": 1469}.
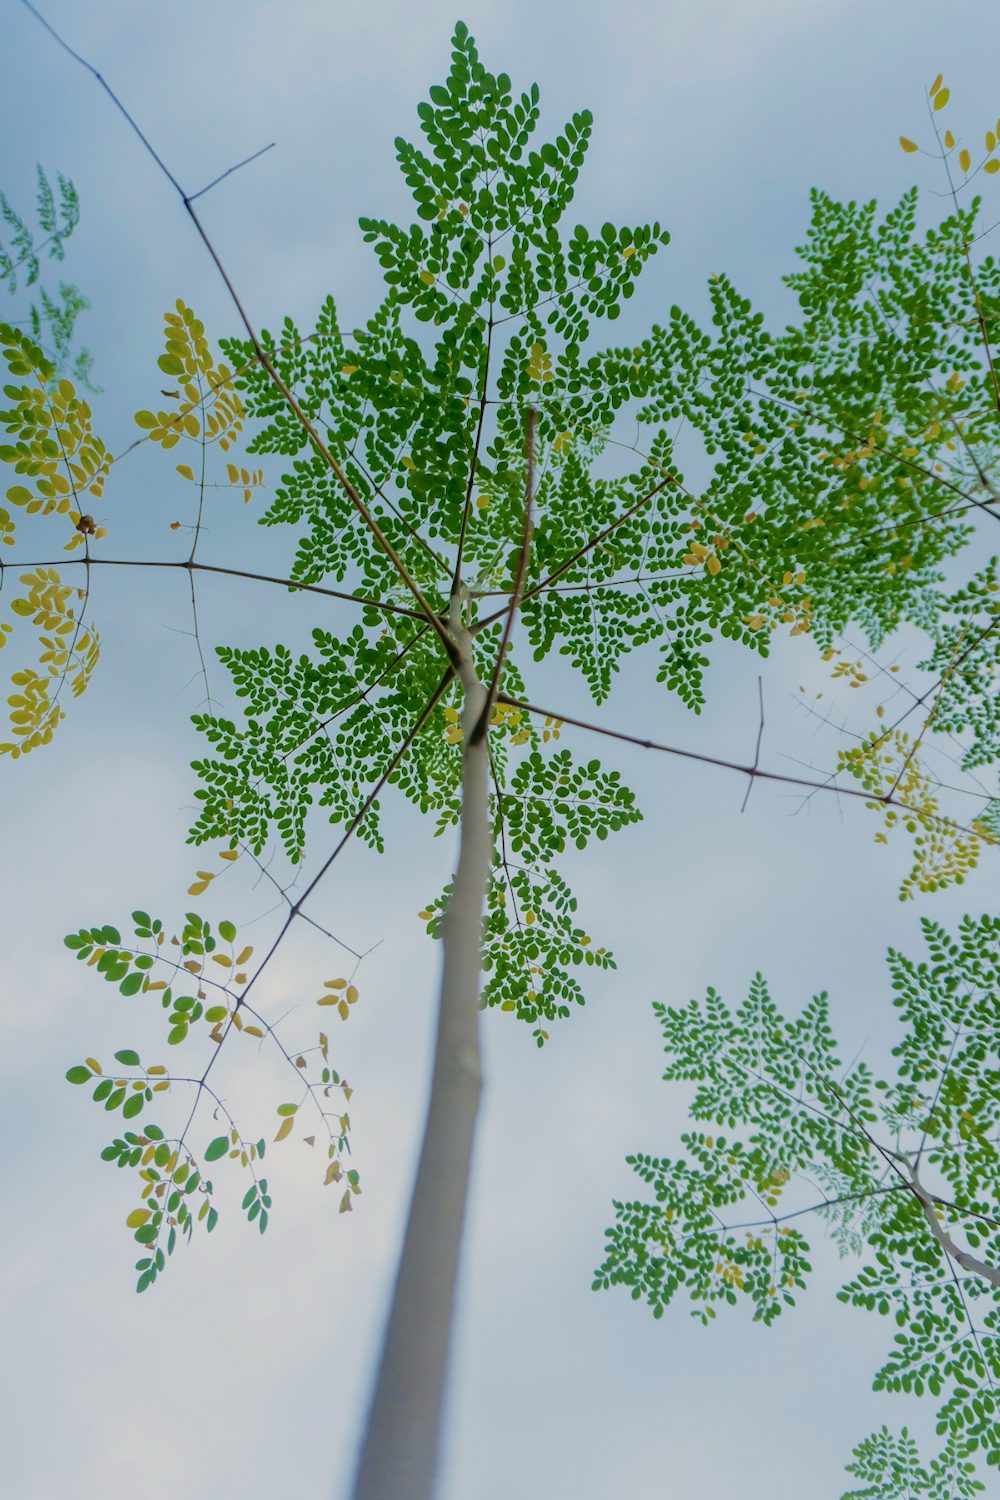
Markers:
{"x": 246, "y": 1370}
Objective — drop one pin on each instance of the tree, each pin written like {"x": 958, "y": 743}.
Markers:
{"x": 457, "y": 450}
{"x": 861, "y": 1153}
{"x": 876, "y": 299}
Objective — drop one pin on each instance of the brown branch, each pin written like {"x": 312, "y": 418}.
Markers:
{"x": 264, "y": 358}
{"x": 728, "y": 765}
{"x": 197, "y": 567}
{"x": 295, "y": 907}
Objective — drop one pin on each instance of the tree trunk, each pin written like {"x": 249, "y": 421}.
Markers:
{"x": 399, "y": 1452}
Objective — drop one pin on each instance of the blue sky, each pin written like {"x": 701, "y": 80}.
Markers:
{"x": 246, "y": 1370}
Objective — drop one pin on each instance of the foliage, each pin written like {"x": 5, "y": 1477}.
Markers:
{"x": 173, "y": 1189}
{"x": 52, "y": 319}
{"x": 873, "y": 1146}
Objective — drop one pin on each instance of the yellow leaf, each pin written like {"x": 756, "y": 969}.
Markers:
{"x": 328, "y": 1000}
{"x": 349, "y": 369}
{"x": 229, "y": 854}
{"x": 352, "y": 994}
{"x": 941, "y": 98}
{"x": 345, "y": 1203}
{"x": 427, "y": 277}
{"x": 93, "y": 1064}
{"x": 965, "y": 159}
{"x": 333, "y": 1173}
{"x": 244, "y": 957}
{"x": 949, "y": 139}
{"x": 629, "y": 250}
{"x": 344, "y": 1009}
{"x": 907, "y": 144}
{"x": 935, "y": 85}
{"x": 991, "y": 140}
{"x": 156, "y": 1070}
{"x": 252, "y": 1031}
{"x": 185, "y": 471}
{"x": 335, "y": 984}
{"x": 138, "y": 1217}
{"x": 285, "y": 1128}
{"x": 992, "y": 166}
{"x": 712, "y": 564}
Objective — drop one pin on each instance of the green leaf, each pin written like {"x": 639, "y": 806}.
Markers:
{"x": 217, "y": 1148}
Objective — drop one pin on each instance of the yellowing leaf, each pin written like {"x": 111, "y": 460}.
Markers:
{"x": 427, "y": 277}
{"x": 138, "y": 1217}
{"x": 93, "y": 1064}
{"x": 185, "y": 471}
{"x": 941, "y": 98}
{"x": 992, "y": 166}
{"x": 345, "y": 1203}
{"x": 935, "y": 85}
{"x": 285, "y": 1128}
{"x": 965, "y": 159}
{"x": 949, "y": 139}
{"x": 907, "y": 144}
{"x": 629, "y": 250}
{"x": 252, "y": 1031}
{"x": 349, "y": 369}
{"x": 712, "y": 564}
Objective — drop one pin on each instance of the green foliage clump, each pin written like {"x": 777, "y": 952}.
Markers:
{"x": 907, "y": 1169}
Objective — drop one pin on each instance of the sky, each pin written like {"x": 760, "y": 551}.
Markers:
{"x": 246, "y": 1370}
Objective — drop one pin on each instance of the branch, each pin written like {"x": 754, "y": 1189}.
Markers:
{"x": 731, "y": 765}
{"x": 199, "y": 567}
{"x": 522, "y": 568}
{"x": 295, "y": 908}
{"x": 963, "y": 1258}
{"x": 596, "y": 541}
{"x": 264, "y": 358}
{"x": 474, "y": 465}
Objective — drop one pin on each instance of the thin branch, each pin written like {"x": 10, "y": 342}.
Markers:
{"x": 265, "y": 360}
{"x": 474, "y": 465}
{"x": 726, "y": 765}
{"x": 522, "y": 568}
{"x": 199, "y": 567}
{"x": 295, "y": 907}
{"x": 595, "y": 541}
{"x": 230, "y": 170}
{"x": 760, "y": 736}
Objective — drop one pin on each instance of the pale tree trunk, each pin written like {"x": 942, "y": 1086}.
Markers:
{"x": 400, "y": 1446}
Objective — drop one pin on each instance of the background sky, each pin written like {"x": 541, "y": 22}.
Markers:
{"x": 246, "y": 1370}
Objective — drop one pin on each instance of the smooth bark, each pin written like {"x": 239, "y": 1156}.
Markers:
{"x": 400, "y": 1447}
